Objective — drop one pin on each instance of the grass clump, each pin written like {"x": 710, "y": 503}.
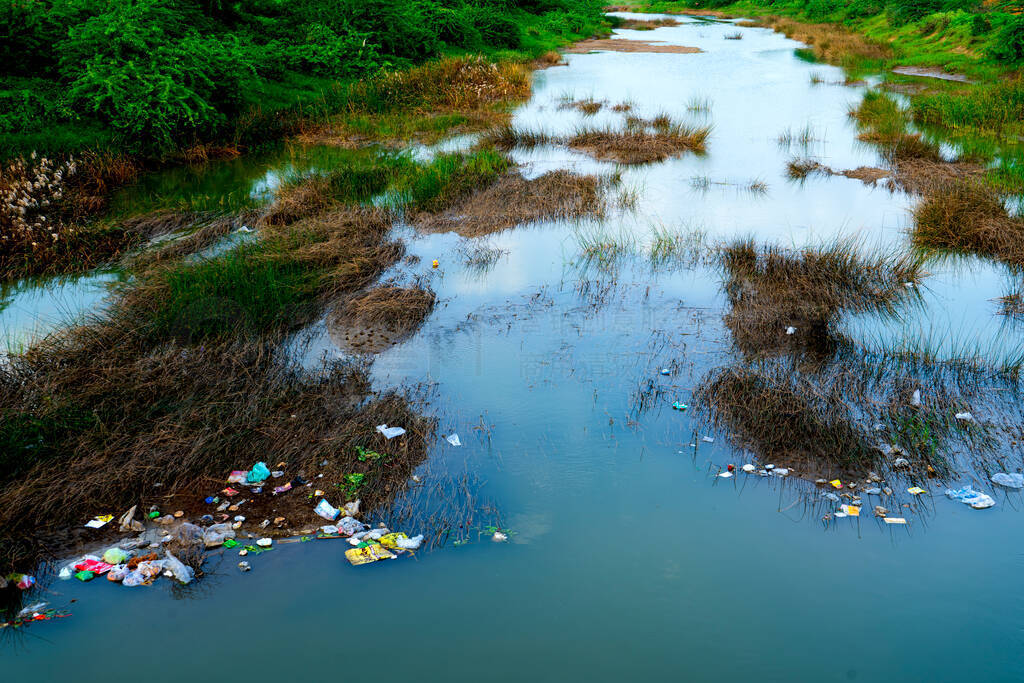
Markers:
{"x": 390, "y": 304}
{"x": 514, "y": 200}
{"x": 967, "y": 216}
{"x": 786, "y": 418}
{"x": 641, "y": 141}
{"x": 178, "y": 417}
{"x": 781, "y": 299}
{"x": 657, "y": 141}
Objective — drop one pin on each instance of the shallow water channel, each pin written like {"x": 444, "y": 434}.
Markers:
{"x": 628, "y": 556}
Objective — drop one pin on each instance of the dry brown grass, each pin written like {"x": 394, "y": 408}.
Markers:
{"x": 923, "y": 175}
{"x": 771, "y": 289}
{"x": 801, "y": 168}
{"x": 637, "y": 145}
{"x": 374, "y": 320}
{"x": 295, "y": 201}
{"x": 514, "y": 200}
{"x": 831, "y": 42}
{"x": 647, "y": 24}
{"x": 967, "y": 216}
{"x": 623, "y": 45}
{"x": 165, "y": 427}
{"x": 588, "y": 106}
{"x": 902, "y": 146}
{"x": 549, "y": 59}
{"x": 199, "y": 232}
{"x": 787, "y": 418}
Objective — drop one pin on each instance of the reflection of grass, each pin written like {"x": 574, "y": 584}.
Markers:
{"x": 602, "y": 247}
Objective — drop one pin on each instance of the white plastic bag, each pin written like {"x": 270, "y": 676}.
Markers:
{"x": 179, "y": 569}
{"x": 1014, "y": 480}
{"x": 409, "y": 543}
{"x": 326, "y": 510}
{"x": 390, "y": 432}
{"x": 216, "y": 534}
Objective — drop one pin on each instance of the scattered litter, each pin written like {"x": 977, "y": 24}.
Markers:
{"x": 666, "y": 371}
{"x": 99, "y": 521}
{"x": 390, "y": 432}
{"x": 894, "y": 520}
{"x": 790, "y": 330}
{"x": 968, "y": 496}
{"x": 1014, "y": 480}
{"x": 725, "y": 475}
{"x": 370, "y": 553}
{"x": 680, "y": 406}
{"x": 831, "y": 496}
{"x": 237, "y": 477}
{"x": 326, "y": 510}
{"x": 453, "y": 439}
{"x": 850, "y": 510}
{"x": 915, "y": 400}
{"x": 748, "y": 468}
{"x": 283, "y": 488}
{"x": 258, "y": 473}
{"x": 836, "y": 483}
{"x": 840, "y": 514}
{"x": 900, "y": 463}
{"x": 499, "y": 537}
{"x": 434, "y": 264}
{"x": 780, "y": 471}
{"x": 874, "y": 491}
{"x": 965, "y": 416}
{"x": 229, "y": 492}
{"x": 410, "y": 543}
{"x": 916, "y": 490}
{"x": 265, "y": 542}
{"x": 880, "y": 511}
{"x": 244, "y": 566}
{"x": 708, "y": 439}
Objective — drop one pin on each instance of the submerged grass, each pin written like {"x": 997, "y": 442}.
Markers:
{"x": 786, "y": 418}
{"x": 641, "y": 141}
{"x": 791, "y": 299}
{"x": 513, "y": 200}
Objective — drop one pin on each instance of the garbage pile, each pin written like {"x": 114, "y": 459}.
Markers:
{"x": 171, "y": 547}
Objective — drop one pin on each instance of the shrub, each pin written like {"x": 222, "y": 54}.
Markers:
{"x": 1009, "y": 44}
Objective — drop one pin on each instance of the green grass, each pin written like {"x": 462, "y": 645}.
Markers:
{"x": 243, "y": 292}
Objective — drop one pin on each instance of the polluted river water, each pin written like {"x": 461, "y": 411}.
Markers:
{"x": 627, "y": 555}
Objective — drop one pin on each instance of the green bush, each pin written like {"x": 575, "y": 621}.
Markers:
{"x": 1009, "y": 44}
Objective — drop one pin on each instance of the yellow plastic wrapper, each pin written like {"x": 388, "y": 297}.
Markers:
{"x": 916, "y": 490}
{"x": 370, "y": 553}
{"x": 391, "y": 540}
{"x": 836, "y": 484}
{"x": 851, "y": 510}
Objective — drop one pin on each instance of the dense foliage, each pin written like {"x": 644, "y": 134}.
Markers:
{"x": 998, "y": 25}
{"x": 155, "y": 75}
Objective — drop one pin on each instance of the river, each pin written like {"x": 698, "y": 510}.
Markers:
{"x": 628, "y": 557}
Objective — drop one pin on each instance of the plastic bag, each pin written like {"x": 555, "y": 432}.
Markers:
{"x": 188, "y": 535}
{"x": 134, "y": 578}
{"x": 118, "y": 573}
{"x": 390, "y": 432}
{"x": 410, "y": 543}
{"x": 350, "y": 525}
{"x": 968, "y": 496}
{"x": 179, "y": 569}
{"x": 216, "y": 534}
{"x": 1014, "y": 480}
{"x": 258, "y": 473}
{"x": 326, "y": 510}
{"x": 115, "y": 556}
